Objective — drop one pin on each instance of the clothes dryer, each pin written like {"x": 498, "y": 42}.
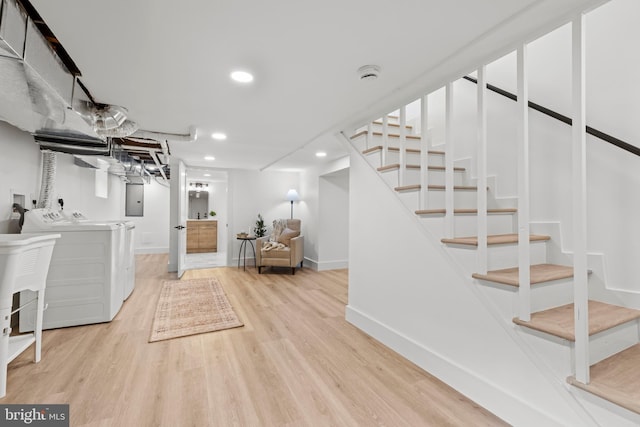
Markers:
{"x": 126, "y": 243}
{"x": 83, "y": 285}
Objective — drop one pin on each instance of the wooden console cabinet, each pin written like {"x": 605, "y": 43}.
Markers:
{"x": 202, "y": 236}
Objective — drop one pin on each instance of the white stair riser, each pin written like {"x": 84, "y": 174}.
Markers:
{"x": 498, "y": 256}
{"x": 436, "y": 199}
{"x": 612, "y": 341}
{"x": 374, "y": 158}
{"x": 466, "y": 225}
{"x": 377, "y": 127}
{"x": 412, "y": 177}
{"x": 413, "y": 158}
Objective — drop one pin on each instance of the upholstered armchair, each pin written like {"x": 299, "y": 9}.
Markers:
{"x": 283, "y": 248}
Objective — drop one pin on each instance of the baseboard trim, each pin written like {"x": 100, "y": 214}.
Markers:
{"x": 480, "y": 390}
{"x": 141, "y": 251}
{"x": 325, "y": 265}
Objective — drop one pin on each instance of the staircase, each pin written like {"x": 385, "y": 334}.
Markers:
{"x": 398, "y": 155}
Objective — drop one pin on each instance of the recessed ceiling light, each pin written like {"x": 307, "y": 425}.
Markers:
{"x": 219, "y": 136}
{"x": 321, "y": 154}
{"x": 242, "y": 76}
{"x": 207, "y": 174}
{"x": 209, "y": 158}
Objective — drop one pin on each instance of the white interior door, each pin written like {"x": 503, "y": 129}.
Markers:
{"x": 183, "y": 207}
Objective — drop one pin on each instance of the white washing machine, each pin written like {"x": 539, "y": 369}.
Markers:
{"x": 127, "y": 264}
{"x": 84, "y": 285}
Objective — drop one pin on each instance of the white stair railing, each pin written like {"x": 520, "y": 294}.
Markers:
{"x": 482, "y": 253}
{"x": 424, "y": 152}
{"x": 403, "y": 145}
{"x": 524, "y": 249}
{"x": 579, "y": 186}
{"x": 385, "y": 139}
{"x": 448, "y": 161}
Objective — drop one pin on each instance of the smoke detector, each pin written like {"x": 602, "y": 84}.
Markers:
{"x": 369, "y": 72}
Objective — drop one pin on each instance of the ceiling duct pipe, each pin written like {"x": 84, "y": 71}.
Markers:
{"x": 39, "y": 89}
{"x": 160, "y": 136}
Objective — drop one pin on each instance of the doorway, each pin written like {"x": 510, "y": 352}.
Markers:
{"x": 207, "y": 216}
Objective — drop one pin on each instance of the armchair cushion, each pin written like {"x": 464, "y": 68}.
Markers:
{"x": 286, "y": 235}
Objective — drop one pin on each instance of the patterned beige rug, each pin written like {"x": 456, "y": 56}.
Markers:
{"x": 189, "y": 307}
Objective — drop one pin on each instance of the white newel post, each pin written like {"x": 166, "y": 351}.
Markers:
{"x": 448, "y": 162}
{"x": 385, "y": 138}
{"x": 482, "y": 171}
{"x": 580, "y": 277}
{"x": 369, "y": 140}
{"x": 403, "y": 145}
{"x": 424, "y": 152}
{"x": 524, "y": 250}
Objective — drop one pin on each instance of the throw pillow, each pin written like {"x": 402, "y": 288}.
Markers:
{"x": 286, "y": 236}
{"x": 278, "y": 226}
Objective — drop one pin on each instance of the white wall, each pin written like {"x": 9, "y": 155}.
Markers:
{"x": 333, "y": 221}
{"x": 326, "y": 205}
{"x": 254, "y": 192}
{"x": 19, "y": 171}
{"x": 152, "y": 229}
{"x": 76, "y": 186}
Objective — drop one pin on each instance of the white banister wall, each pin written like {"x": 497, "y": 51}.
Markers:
{"x": 524, "y": 256}
{"x": 579, "y": 173}
{"x": 482, "y": 170}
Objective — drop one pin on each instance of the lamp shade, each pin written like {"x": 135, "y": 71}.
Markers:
{"x": 292, "y": 195}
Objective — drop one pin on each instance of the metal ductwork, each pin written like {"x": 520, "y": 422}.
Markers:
{"x": 39, "y": 90}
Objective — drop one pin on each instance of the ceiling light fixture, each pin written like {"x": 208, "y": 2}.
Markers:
{"x": 219, "y": 136}
{"x": 321, "y": 154}
{"x": 242, "y": 76}
{"x": 209, "y": 158}
{"x": 207, "y": 174}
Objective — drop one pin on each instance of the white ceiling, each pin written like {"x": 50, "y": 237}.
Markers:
{"x": 169, "y": 62}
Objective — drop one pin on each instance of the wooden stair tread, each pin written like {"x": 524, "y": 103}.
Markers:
{"x": 465, "y": 211}
{"x": 496, "y": 239}
{"x": 539, "y": 273}
{"x": 409, "y": 150}
{"x": 616, "y": 379}
{"x": 558, "y": 321}
{"x": 436, "y": 168}
{"x": 390, "y": 135}
{"x": 395, "y": 166}
{"x": 416, "y": 187}
{"x": 397, "y": 125}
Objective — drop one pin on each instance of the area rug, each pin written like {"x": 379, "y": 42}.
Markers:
{"x": 189, "y": 307}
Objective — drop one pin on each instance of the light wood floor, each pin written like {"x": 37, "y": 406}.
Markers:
{"x": 295, "y": 362}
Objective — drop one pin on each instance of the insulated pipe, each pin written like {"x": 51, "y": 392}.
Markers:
{"x": 158, "y": 136}
{"x": 48, "y": 178}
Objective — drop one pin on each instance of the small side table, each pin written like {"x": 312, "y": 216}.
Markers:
{"x": 243, "y": 245}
